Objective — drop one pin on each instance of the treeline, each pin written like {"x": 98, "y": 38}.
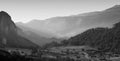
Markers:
{"x": 105, "y": 39}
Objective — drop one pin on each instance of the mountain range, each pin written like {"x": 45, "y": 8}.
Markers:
{"x": 64, "y": 27}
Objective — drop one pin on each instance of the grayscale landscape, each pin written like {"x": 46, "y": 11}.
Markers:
{"x": 60, "y": 30}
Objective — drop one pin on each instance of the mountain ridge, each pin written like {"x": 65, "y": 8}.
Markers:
{"x": 83, "y": 20}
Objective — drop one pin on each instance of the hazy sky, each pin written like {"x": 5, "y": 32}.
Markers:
{"x": 26, "y": 10}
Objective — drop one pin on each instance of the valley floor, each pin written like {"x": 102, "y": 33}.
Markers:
{"x": 58, "y": 54}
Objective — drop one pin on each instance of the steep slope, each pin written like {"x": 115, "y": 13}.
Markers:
{"x": 8, "y": 33}
{"x": 69, "y": 26}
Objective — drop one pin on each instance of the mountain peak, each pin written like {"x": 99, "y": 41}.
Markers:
{"x": 3, "y": 12}
{"x": 5, "y": 15}
{"x": 5, "y": 18}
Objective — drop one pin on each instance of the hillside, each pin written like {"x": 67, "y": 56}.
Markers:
{"x": 106, "y": 39}
{"x": 8, "y": 33}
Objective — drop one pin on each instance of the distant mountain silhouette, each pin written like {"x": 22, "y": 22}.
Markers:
{"x": 104, "y": 18}
{"x": 9, "y": 33}
{"x": 69, "y": 26}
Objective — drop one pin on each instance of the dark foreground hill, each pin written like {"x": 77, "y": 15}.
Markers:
{"x": 106, "y": 39}
{"x": 8, "y": 33}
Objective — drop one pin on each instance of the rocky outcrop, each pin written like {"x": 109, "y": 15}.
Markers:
{"x": 8, "y": 33}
